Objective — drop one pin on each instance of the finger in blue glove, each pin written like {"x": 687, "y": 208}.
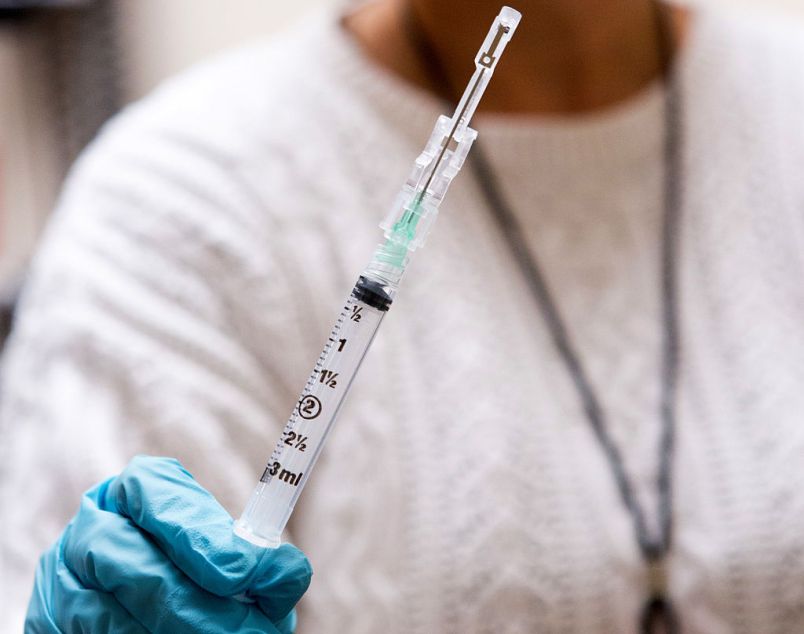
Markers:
{"x": 160, "y": 548}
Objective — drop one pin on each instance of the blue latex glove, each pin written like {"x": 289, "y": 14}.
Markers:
{"x": 152, "y": 551}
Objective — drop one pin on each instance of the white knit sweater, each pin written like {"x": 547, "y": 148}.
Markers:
{"x": 203, "y": 246}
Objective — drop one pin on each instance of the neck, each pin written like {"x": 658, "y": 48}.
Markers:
{"x": 567, "y": 56}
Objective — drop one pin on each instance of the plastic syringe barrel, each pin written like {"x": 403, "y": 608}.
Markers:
{"x": 305, "y": 434}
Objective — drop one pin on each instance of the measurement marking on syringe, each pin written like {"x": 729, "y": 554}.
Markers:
{"x": 294, "y": 439}
{"x": 309, "y": 407}
{"x": 275, "y": 470}
{"x": 328, "y": 378}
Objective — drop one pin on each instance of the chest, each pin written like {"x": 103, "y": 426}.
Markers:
{"x": 463, "y": 477}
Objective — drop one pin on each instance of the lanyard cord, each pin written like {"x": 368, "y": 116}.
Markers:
{"x": 657, "y": 614}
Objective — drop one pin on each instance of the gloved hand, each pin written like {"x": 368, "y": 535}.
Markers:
{"x": 152, "y": 551}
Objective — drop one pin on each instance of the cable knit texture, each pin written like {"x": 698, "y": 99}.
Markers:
{"x": 205, "y": 241}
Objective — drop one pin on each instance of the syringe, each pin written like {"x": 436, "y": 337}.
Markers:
{"x": 406, "y": 228}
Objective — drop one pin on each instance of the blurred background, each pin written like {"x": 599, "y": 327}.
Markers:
{"x": 68, "y": 65}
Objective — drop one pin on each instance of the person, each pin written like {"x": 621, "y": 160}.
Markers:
{"x": 582, "y": 413}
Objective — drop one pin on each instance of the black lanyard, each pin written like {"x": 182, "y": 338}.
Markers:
{"x": 657, "y": 614}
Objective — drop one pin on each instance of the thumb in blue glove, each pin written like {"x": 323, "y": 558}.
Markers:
{"x": 152, "y": 551}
